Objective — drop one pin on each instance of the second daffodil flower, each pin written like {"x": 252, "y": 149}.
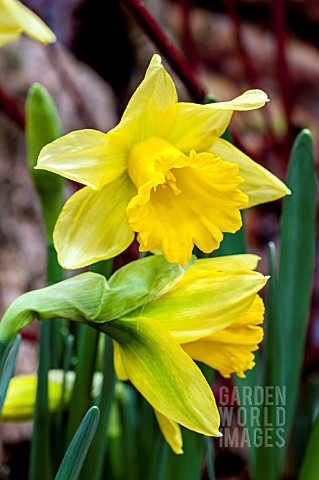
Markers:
{"x": 163, "y": 172}
{"x": 16, "y": 18}
{"x": 162, "y": 317}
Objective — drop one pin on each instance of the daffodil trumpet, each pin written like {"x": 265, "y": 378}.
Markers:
{"x": 16, "y": 18}
{"x": 163, "y": 172}
{"x": 162, "y": 317}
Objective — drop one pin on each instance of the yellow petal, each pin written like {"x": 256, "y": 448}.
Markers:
{"x": 190, "y": 126}
{"x": 20, "y": 399}
{"x": 86, "y": 156}
{"x": 195, "y": 203}
{"x": 230, "y": 350}
{"x": 260, "y": 185}
{"x": 164, "y": 374}
{"x": 204, "y": 266}
{"x": 171, "y": 432}
{"x": 118, "y": 364}
{"x": 152, "y": 98}
{"x": 16, "y": 16}
{"x": 204, "y": 301}
{"x": 93, "y": 226}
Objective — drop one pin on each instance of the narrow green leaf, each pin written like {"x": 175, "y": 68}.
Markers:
{"x": 296, "y": 266}
{"x": 40, "y": 457}
{"x": 8, "y": 371}
{"x": 76, "y": 453}
{"x": 310, "y": 466}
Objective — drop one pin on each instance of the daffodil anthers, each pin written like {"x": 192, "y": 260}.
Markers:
{"x": 16, "y": 18}
{"x": 161, "y": 317}
{"x": 163, "y": 172}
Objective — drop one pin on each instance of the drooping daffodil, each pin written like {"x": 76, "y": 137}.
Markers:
{"x": 161, "y": 317}
{"x": 163, "y": 172}
{"x": 16, "y": 18}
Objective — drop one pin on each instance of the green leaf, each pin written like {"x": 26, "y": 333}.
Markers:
{"x": 8, "y": 371}
{"x": 310, "y": 466}
{"x": 76, "y": 453}
{"x": 297, "y": 248}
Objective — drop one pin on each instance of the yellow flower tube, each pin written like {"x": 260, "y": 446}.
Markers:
{"x": 163, "y": 172}
{"x": 16, "y": 18}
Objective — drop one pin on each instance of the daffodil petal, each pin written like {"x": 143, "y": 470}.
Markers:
{"x": 204, "y": 301}
{"x": 204, "y": 266}
{"x": 118, "y": 364}
{"x": 165, "y": 375}
{"x": 16, "y": 16}
{"x": 260, "y": 185}
{"x": 171, "y": 432}
{"x": 190, "y": 126}
{"x": 230, "y": 350}
{"x": 93, "y": 226}
{"x": 86, "y": 156}
{"x": 9, "y": 36}
{"x": 155, "y": 94}
{"x": 203, "y": 197}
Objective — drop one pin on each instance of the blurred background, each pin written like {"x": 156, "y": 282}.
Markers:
{"x": 101, "y": 55}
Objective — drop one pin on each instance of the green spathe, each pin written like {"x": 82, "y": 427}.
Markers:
{"x": 89, "y": 297}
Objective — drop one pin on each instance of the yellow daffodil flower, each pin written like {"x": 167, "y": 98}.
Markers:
{"x": 16, "y": 18}
{"x": 163, "y": 172}
{"x": 161, "y": 317}
{"x": 212, "y": 315}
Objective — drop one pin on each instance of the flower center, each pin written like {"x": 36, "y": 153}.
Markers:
{"x": 152, "y": 161}
{"x": 170, "y": 182}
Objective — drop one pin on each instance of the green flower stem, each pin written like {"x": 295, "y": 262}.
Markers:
{"x": 81, "y": 397}
{"x": 93, "y": 466}
{"x": 189, "y": 465}
{"x": 40, "y": 457}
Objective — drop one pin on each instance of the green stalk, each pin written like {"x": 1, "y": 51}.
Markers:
{"x": 94, "y": 463}
{"x": 189, "y": 465}
{"x": 266, "y": 463}
{"x": 81, "y": 397}
{"x": 40, "y": 457}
